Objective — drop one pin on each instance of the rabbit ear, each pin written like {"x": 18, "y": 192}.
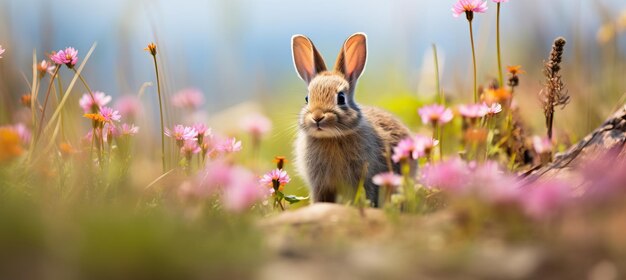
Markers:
{"x": 352, "y": 57}
{"x": 306, "y": 58}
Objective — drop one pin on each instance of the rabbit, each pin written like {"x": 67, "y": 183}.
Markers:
{"x": 337, "y": 139}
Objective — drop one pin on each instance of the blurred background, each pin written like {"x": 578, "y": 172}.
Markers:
{"x": 239, "y": 52}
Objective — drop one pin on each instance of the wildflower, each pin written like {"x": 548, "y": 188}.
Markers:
{"x": 476, "y": 135}
{"x": 256, "y": 124}
{"x": 69, "y": 57}
{"x": 388, "y": 180}
{"x": 493, "y": 109}
{"x": 26, "y": 100}
{"x": 229, "y": 145}
{"x": 404, "y": 150}
{"x": 10, "y": 146}
{"x": 45, "y": 67}
{"x": 93, "y": 104}
{"x": 452, "y": 175}
{"x": 189, "y": 98}
{"x": 204, "y": 132}
{"x": 98, "y": 120}
{"x": 152, "y": 48}
{"x": 216, "y": 174}
{"x": 108, "y": 131}
{"x": 435, "y": 114}
{"x": 275, "y": 179}
{"x": 1, "y": 51}
{"x": 423, "y": 146}
{"x": 182, "y": 133}
{"x": 109, "y": 115}
{"x": 66, "y": 150}
{"x": 190, "y": 148}
{"x": 515, "y": 69}
{"x": 280, "y": 161}
{"x": 543, "y": 200}
{"x": 243, "y": 192}
{"x": 469, "y": 7}
{"x": 128, "y": 130}
{"x": 542, "y": 145}
{"x": 473, "y": 111}
{"x": 23, "y": 133}
{"x": 128, "y": 105}
{"x": 496, "y": 95}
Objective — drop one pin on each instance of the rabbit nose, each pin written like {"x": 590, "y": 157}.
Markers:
{"x": 318, "y": 118}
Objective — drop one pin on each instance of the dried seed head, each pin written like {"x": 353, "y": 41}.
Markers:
{"x": 553, "y": 94}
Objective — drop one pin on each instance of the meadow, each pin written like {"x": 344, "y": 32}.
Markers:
{"x": 515, "y": 172}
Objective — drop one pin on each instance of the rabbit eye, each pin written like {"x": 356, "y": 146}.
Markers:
{"x": 341, "y": 98}
{"x": 306, "y": 99}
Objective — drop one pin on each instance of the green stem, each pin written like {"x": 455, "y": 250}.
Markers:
{"x": 45, "y": 103}
{"x": 442, "y": 101}
{"x": 82, "y": 80}
{"x": 156, "y": 70}
{"x": 500, "y": 79}
{"x": 474, "y": 61}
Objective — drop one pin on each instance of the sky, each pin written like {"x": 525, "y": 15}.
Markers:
{"x": 232, "y": 48}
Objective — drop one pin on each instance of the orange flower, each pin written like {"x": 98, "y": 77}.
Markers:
{"x": 10, "y": 145}
{"x": 515, "y": 70}
{"x": 499, "y": 95}
{"x": 280, "y": 161}
{"x": 66, "y": 150}
{"x": 95, "y": 117}
{"x": 26, "y": 99}
{"x": 476, "y": 135}
{"x": 151, "y": 48}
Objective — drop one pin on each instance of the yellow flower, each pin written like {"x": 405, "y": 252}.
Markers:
{"x": 10, "y": 144}
{"x": 499, "y": 95}
{"x": 515, "y": 70}
{"x": 151, "y": 48}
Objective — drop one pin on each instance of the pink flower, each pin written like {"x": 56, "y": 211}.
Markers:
{"x": 45, "y": 67}
{"x": 128, "y": 105}
{"x": 452, "y": 175}
{"x": 90, "y": 104}
{"x": 544, "y": 199}
{"x": 435, "y": 114}
{"x": 189, "y": 148}
{"x": 216, "y": 174}
{"x": 463, "y": 6}
{"x": 110, "y": 115}
{"x": 189, "y": 98}
{"x": 203, "y": 131}
{"x": 243, "y": 191}
{"x": 128, "y": 129}
{"x": 473, "y": 111}
{"x": 108, "y": 131}
{"x": 256, "y": 124}
{"x": 404, "y": 150}
{"x": 275, "y": 179}
{"x": 21, "y": 130}
{"x": 493, "y": 109}
{"x": 423, "y": 145}
{"x": 387, "y": 179}
{"x": 229, "y": 145}
{"x": 69, "y": 57}
{"x": 542, "y": 145}
{"x": 491, "y": 183}
{"x": 182, "y": 133}
{"x": 1, "y": 51}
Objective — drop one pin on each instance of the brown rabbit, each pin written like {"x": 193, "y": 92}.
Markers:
{"x": 337, "y": 138}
